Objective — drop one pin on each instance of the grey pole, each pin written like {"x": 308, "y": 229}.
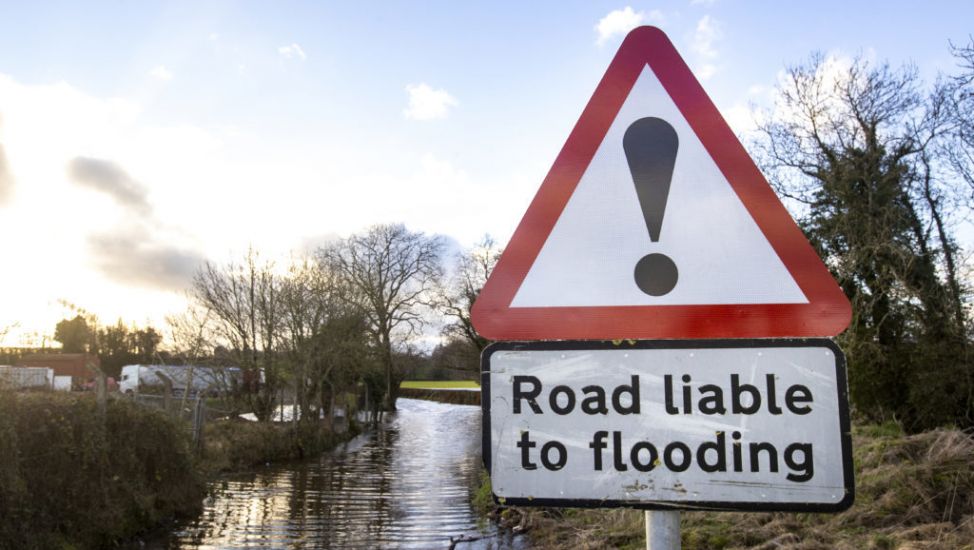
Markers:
{"x": 662, "y": 530}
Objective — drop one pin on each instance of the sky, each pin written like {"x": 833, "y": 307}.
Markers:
{"x": 139, "y": 139}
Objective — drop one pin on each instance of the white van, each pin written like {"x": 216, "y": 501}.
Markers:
{"x": 191, "y": 378}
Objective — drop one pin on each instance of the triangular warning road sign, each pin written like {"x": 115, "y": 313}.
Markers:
{"x": 655, "y": 223}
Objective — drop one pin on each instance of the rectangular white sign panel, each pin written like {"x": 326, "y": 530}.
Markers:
{"x": 729, "y": 424}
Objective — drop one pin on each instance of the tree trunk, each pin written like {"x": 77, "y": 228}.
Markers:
{"x": 389, "y": 399}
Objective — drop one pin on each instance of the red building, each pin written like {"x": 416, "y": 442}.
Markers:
{"x": 64, "y": 364}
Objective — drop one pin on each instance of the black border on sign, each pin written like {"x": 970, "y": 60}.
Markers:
{"x": 574, "y": 345}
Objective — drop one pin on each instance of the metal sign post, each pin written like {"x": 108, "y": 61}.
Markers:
{"x": 662, "y": 530}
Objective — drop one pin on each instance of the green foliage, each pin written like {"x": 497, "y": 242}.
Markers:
{"x": 455, "y": 358}
{"x": 238, "y": 444}
{"x": 887, "y": 429}
{"x": 71, "y": 478}
{"x": 862, "y": 149}
{"x": 386, "y": 272}
{"x": 116, "y": 345}
{"x": 73, "y": 334}
{"x": 120, "y": 345}
{"x": 709, "y": 533}
{"x": 483, "y": 498}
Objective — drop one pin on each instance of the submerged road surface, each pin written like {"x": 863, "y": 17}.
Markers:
{"x": 404, "y": 485}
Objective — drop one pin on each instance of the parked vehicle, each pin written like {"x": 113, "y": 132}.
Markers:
{"x": 22, "y": 378}
{"x": 110, "y": 384}
{"x": 63, "y": 383}
{"x": 185, "y": 378}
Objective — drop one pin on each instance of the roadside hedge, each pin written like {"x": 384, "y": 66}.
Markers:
{"x": 70, "y": 478}
{"x": 236, "y": 445}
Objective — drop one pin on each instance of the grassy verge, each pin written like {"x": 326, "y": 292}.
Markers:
{"x": 912, "y": 492}
{"x": 455, "y": 392}
{"x": 230, "y": 445}
{"x": 440, "y": 385}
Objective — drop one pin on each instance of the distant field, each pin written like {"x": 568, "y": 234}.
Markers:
{"x": 440, "y": 384}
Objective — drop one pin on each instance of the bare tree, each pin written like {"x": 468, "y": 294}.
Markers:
{"x": 961, "y": 88}
{"x": 243, "y": 300}
{"x": 456, "y": 297}
{"x": 389, "y": 273}
{"x": 324, "y": 338}
{"x": 189, "y": 333}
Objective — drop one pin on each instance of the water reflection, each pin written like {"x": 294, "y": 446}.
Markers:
{"x": 406, "y": 485}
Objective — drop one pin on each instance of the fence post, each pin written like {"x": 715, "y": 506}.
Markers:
{"x": 198, "y": 421}
{"x": 101, "y": 387}
{"x": 167, "y": 392}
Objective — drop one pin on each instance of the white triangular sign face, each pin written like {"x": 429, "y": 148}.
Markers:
{"x": 721, "y": 255}
{"x": 654, "y": 223}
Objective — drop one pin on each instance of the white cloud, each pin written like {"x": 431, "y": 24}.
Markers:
{"x": 6, "y": 179}
{"x": 705, "y": 71}
{"x": 708, "y": 31}
{"x": 292, "y": 51}
{"x": 426, "y": 103}
{"x": 440, "y": 190}
{"x": 45, "y": 127}
{"x": 742, "y": 118}
{"x": 329, "y": 184}
{"x": 160, "y": 72}
{"x": 622, "y": 21}
{"x": 757, "y": 89}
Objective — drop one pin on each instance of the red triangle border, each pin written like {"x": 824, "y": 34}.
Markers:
{"x": 827, "y": 312}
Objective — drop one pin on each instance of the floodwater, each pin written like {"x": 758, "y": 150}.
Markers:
{"x": 406, "y": 484}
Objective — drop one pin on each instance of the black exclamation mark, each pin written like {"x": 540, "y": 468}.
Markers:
{"x": 650, "y": 144}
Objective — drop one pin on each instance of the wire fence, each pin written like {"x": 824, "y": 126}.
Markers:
{"x": 191, "y": 410}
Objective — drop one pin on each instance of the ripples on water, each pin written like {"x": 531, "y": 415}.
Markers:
{"x": 405, "y": 485}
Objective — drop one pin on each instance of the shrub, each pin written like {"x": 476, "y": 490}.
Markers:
{"x": 238, "y": 444}
{"x": 72, "y": 478}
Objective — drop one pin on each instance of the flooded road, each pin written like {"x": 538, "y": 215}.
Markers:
{"x": 404, "y": 485}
